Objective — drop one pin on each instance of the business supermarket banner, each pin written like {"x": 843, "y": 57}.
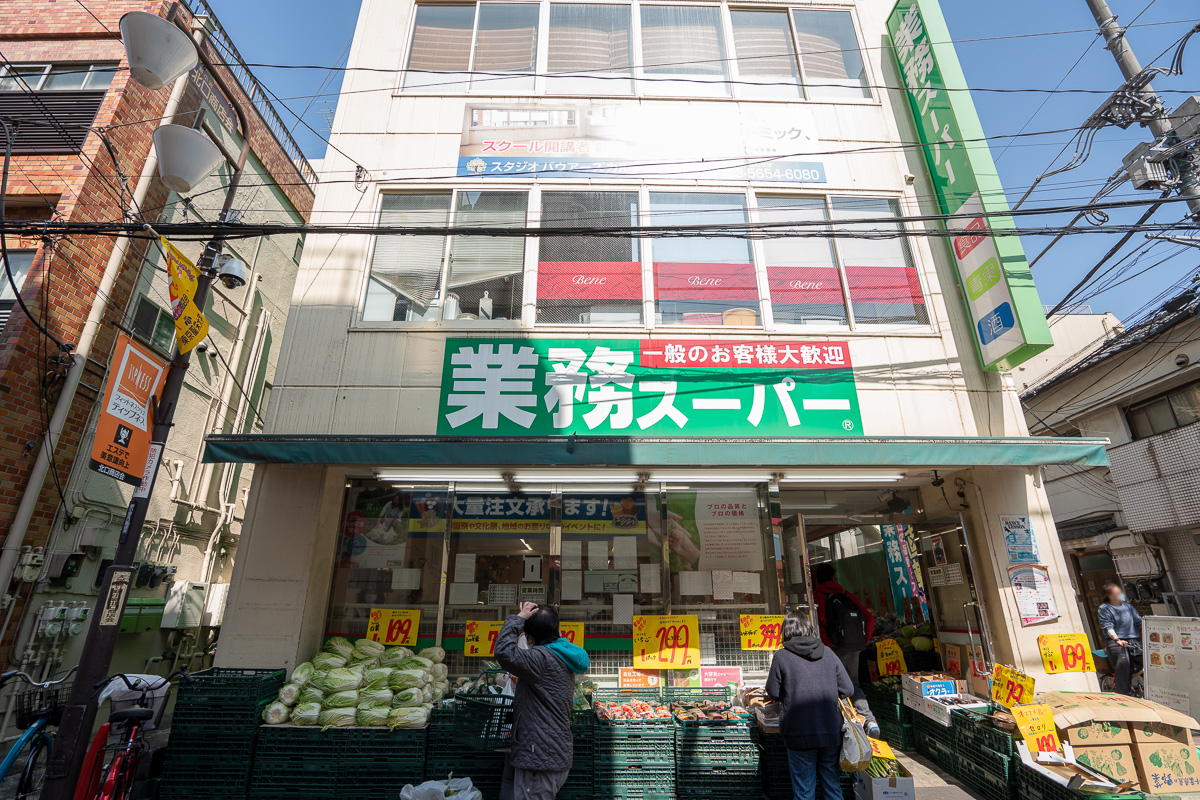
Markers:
{"x": 648, "y": 387}
{"x": 643, "y": 139}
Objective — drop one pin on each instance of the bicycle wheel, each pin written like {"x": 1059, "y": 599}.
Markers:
{"x": 34, "y": 774}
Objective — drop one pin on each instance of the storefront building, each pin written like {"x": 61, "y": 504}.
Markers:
{"x": 735, "y": 354}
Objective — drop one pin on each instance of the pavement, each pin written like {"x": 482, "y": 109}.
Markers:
{"x": 932, "y": 782}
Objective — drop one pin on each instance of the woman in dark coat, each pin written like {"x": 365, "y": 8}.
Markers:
{"x": 807, "y": 679}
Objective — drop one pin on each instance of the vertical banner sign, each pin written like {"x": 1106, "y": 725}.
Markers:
{"x": 1066, "y": 652}
{"x": 479, "y": 641}
{"x": 954, "y": 660}
{"x": 394, "y": 626}
{"x": 889, "y": 658}
{"x": 1008, "y": 322}
{"x": 121, "y": 448}
{"x": 1011, "y": 687}
{"x": 190, "y": 325}
{"x": 908, "y": 587}
{"x": 912, "y": 551}
{"x": 572, "y": 632}
{"x": 666, "y": 641}
{"x": 762, "y": 631}
{"x": 1036, "y": 724}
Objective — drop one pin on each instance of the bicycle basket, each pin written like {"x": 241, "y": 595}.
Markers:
{"x": 483, "y": 723}
{"x": 34, "y": 704}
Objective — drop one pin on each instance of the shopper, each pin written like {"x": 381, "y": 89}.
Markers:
{"x": 541, "y": 752}
{"x": 807, "y": 680}
{"x": 1122, "y": 625}
{"x": 846, "y": 626}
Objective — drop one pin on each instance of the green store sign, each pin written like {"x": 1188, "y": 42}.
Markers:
{"x": 647, "y": 387}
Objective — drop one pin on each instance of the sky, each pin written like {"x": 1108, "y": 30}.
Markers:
{"x": 997, "y": 53}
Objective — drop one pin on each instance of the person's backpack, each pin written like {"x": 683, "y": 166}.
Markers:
{"x": 845, "y": 622}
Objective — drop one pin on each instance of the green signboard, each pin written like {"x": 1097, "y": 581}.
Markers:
{"x": 1007, "y": 320}
{"x": 647, "y": 387}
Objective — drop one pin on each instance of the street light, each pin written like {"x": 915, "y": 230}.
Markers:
{"x": 159, "y": 51}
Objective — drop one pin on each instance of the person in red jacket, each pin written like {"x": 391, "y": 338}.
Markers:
{"x": 829, "y": 595}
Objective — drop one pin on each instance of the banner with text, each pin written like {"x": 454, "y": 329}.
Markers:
{"x": 121, "y": 448}
{"x": 190, "y": 325}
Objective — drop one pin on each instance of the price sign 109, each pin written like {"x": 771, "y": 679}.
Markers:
{"x": 1066, "y": 652}
{"x": 394, "y": 626}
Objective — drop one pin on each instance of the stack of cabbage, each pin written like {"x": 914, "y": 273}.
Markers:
{"x": 362, "y": 685}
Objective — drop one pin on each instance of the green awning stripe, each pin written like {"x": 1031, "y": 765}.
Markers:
{"x": 443, "y": 451}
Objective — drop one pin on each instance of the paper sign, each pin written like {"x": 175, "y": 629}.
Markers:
{"x": 720, "y": 677}
{"x": 1019, "y": 539}
{"x": 480, "y": 639}
{"x": 761, "y": 631}
{"x": 190, "y": 325}
{"x": 572, "y": 632}
{"x": 122, "y": 448}
{"x": 1066, "y": 652}
{"x": 954, "y": 660}
{"x": 394, "y": 626}
{"x": 1011, "y": 687}
{"x": 882, "y": 749}
{"x": 628, "y": 678}
{"x": 666, "y": 641}
{"x": 622, "y": 609}
{"x": 650, "y": 578}
{"x": 890, "y": 658}
{"x": 1036, "y": 724}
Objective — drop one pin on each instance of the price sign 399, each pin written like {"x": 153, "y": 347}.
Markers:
{"x": 666, "y": 641}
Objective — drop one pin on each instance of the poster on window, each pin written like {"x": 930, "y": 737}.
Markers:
{"x": 717, "y": 529}
{"x": 1034, "y": 594}
{"x": 376, "y": 529}
{"x": 1019, "y": 539}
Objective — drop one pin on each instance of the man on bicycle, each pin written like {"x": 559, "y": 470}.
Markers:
{"x": 1122, "y": 624}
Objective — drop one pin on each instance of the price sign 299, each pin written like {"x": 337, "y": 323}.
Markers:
{"x": 666, "y": 642}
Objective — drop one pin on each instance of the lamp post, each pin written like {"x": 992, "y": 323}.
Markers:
{"x": 159, "y": 51}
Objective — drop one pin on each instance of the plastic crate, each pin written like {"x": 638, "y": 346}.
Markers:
{"x": 696, "y": 694}
{"x": 483, "y": 723}
{"x": 876, "y": 693}
{"x": 617, "y": 792}
{"x": 610, "y": 695}
{"x": 901, "y": 735}
{"x": 233, "y": 685}
{"x": 976, "y": 730}
{"x": 647, "y": 733}
{"x": 1031, "y": 785}
{"x": 987, "y": 773}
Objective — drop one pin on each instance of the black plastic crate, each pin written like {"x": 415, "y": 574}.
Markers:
{"x": 987, "y": 773}
{"x": 901, "y": 735}
{"x": 233, "y": 685}
{"x": 976, "y": 730}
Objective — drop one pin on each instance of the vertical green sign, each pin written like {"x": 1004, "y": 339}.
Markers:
{"x": 1007, "y": 320}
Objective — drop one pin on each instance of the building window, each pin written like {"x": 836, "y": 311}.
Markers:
{"x": 833, "y": 64}
{"x": 802, "y": 270}
{"x": 882, "y": 279}
{"x": 20, "y": 261}
{"x": 766, "y": 59}
{"x": 56, "y": 77}
{"x": 70, "y": 93}
{"x": 455, "y": 45}
{"x": 701, "y": 280}
{"x": 486, "y": 272}
{"x": 683, "y": 51}
{"x": 587, "y": 279}
{"x": 1166, "y": 413}
{"x": 506, "y": 41}
{"x": 406, "y": 271}
{"x": 440, "y": 51}
{"x": 153, "y": 325}
{"x": 590, "y": 48}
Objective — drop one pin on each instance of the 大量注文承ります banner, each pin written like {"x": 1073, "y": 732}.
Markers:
{"x": 659, "y": 387}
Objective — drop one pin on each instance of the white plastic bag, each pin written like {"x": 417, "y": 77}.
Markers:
{"x": 429, "y": 790}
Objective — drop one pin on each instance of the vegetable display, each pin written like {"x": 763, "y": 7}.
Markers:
{"x": 708, "y": 711}
{"x": 633, "y": 711}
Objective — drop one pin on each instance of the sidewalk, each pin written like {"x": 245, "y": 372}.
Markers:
{"x": 931, "y": 782}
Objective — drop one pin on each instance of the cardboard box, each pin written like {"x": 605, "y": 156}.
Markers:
{"x": 1160, "y": 733}
{"x": 868, "y": 788}
{"x": 1115, "y": 761}
{"x": 939, "y": 712}
{"x": 1078, "y": 708}
{"x": 1064, "y": 770}
{"x": 1165, "y": 758}
{"x": 1093, "y": 734}
{"x": 915, "y": 686}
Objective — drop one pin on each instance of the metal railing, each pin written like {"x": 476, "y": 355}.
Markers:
{"x": 236, "y": 65}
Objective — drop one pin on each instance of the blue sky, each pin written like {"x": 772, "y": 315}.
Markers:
{"x": 311, "y": 32}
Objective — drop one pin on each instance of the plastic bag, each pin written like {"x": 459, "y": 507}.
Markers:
{"x": 429, "y": 790}
{"x": 856, "y": 746}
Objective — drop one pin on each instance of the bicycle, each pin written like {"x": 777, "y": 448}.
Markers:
{"x": 36, "y": 710}
{"x": 115, "y": 779}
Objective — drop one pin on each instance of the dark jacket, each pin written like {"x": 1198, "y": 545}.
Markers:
{"x": 822, "y": 593}
{"x": 807, "y": 679}
{"x": 1124, "y": 620}
{"x": 542, "y": 702}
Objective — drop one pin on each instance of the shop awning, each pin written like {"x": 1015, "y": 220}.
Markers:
{"x": 441, "y": 451}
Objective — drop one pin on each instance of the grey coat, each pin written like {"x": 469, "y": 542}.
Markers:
{"x": 541, "y": 705}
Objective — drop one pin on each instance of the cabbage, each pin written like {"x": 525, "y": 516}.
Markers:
{"x": 415, "y": 662}
{"x": 363, "y": 664}
{"x": 340, "y": 700}
{"x": 276, "y": 714}
{"x": 303, "y": 673}
{"x": 377, "y": 676}
{"x": 372, "y": 716}
{"x": 328, "y": 661}
{"x": 289, "y": 693}
{"x": 366, "y": 648}
{"x": 439, "y": 690}
{"x": 306, "y": 714}
{"x": 337, "y": 718}
{"x": 426, "y": 694}
{"x": 439, "y": 672}
{"x": 405, "y": 678}
{"x": 373, "y": 698}
{"x": 310, "y": 694}
{"x": 339, "y": 645}
{"x": 407, "y": 718}
{"x": 392, "y": 656}
{"x": 406, "y": 698}
{"x": 340, "y": 680}
{"x": 435, "y": 654}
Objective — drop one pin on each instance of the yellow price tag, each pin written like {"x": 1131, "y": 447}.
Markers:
{"x": 480, "y": 639}
{"x": 882, "y": 749}
{"x": 572, "y": 632}
{"x": 394, "y": 626}
{"x": 1066, "y": 652}
{"x": 890, "y": 658}
{"x": 762, "y": 631}
{"x": 1011, "y": 687}
{"x": 666, "y": 642}
{"x": 1036, "y": 724}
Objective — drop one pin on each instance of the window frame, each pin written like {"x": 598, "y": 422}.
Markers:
{"x": 47, "y": 68}
{"x": 1164, "y": 398}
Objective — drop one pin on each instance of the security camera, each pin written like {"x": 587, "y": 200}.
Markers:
{"x": 232, "y": 272}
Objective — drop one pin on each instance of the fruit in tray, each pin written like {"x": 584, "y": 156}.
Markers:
{"x": 633, "y": 711}
{"x": 708, "y": 711}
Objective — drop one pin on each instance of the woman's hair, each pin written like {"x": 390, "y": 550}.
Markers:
{"x": 1108, "y": 587}
{"x": 542, "y": 627}
{"x": 796, "y": 624}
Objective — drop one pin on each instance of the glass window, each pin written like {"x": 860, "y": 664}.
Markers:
{"x": 833, "y": 64}
{"x": 884, "y": 287}
{"x": 1186, "y": 405}
{"x": 506, "y": 41}
{"x": 21, "y": 79}
{"x": 802, "y": 272}
{"x": 486, "y": 271}
{"x": 406, "y": 270}
{"x": 20, "y": 263}
{"x": 592, "y": 44}
{"x": 100, "y": 76}
{"x": 589, "y": 280}
{"x": 765, "y": 54}
{"x": 440, "y": 52}
{"x": 683, "y": 42}
{"x": 702, "y": 280}
{"x": 154, "y": 324}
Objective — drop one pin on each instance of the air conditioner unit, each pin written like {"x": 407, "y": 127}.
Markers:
{"x": 214, "y": 606}
{"x": 1136, "y": 562}
{"x": 185, "y": 604}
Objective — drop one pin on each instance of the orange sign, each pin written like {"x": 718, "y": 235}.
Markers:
{"x": 394, "y": 626}
{"x": 122, "y": 449}
{"x": 954, "y": 660}
{"x": 1036, "y": 723}
{"x": 761, "y": 631}
{"x": 1011, "y": 687}
{"x": 629, "y": 678}
{"x": 890, "y": 657}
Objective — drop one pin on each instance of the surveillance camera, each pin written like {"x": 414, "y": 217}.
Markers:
{"x": 202, "y": 347}
{"x": 232, "y": 272}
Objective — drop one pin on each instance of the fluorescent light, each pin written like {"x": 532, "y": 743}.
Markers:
{"x": 417, "y": 475}
{"x": 709, "y": 476}
{"x": 847, "y": 475}
{"x": 572, "y": 475}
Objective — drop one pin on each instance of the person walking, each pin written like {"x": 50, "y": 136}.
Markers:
{"x": 541, "y": 754}
{"x": 808, "y": 680}
{"x": 1122, "y": 625}
{"x": 846, "y": 626}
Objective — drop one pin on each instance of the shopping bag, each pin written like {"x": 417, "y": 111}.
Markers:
{"x": 856, "y": 746}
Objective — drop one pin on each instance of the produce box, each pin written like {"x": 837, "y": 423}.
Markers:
{"x": 1114, "y": 760}
{"x": 915, "y": 686}
{"x": 1091, "y": 734}
{"x": 895, "y": 788}
{"x": 1166, "y": 764}
{"x": 939, "y": 709}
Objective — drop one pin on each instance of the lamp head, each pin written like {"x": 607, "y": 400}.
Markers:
{"x": 158, "y": 51}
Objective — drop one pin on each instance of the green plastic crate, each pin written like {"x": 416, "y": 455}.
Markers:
{"x": 987, "y": 773}
{"x": 901, "y": 735}
{"x": 975, "y": 730}
{"x": 1031, "y": 785}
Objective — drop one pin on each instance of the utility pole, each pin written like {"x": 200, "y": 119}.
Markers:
{"x": 1157, "y": 121}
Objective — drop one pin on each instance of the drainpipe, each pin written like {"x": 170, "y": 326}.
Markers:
{"x": 11, "y": 550}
